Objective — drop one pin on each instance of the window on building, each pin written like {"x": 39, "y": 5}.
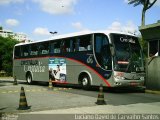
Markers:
{"x": 154, "y": 48}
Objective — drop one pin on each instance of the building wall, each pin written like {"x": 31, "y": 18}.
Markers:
{"x": 153, "y": 73}
{"x": 151, "y": 33}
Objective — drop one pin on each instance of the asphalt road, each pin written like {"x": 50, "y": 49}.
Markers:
{"x": 39, "y": 97}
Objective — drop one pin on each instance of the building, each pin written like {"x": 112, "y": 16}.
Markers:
{"x": 21, "y": 37}
{"x": 151, "y": 33}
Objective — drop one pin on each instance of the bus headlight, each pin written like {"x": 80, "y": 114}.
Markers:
{"x": 120, "y": 77}
{"x": 141, "y": 78}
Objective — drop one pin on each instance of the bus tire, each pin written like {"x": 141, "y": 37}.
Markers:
{"x": 85, "y": 81}
{"x": 29, "y": 78}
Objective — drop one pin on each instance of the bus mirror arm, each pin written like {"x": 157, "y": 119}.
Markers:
{"x": 112, "y": 50}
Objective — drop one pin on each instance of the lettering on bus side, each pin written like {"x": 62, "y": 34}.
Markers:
{"x": 33, "y": 66}
{"x": 29, "y": 62}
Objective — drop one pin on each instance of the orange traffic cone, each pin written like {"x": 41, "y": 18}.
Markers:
{"x": 15, "y": 81}
{"x": 50, "y": 86}
{"x": 100, "y": 99}
{"x": 23, "y": 101}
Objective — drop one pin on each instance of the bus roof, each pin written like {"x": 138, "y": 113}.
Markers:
{"x": 107, "y": 32}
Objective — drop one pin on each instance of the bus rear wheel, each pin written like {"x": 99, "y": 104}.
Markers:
{"x": 85, "y": 82}
{"x": 29, "y": 79}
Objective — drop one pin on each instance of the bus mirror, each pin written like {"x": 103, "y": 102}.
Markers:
{"x": 112, "y": 50}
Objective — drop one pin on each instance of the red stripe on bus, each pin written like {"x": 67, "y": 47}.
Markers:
{"x": 107, "y": 83}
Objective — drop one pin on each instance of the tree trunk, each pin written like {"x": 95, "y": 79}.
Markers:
{"x": 143, "y": 17}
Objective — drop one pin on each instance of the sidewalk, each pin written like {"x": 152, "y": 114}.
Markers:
{"x": 140, "y": 108}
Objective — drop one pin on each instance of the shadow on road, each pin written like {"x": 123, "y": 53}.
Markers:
{"x": 117, "y": 90}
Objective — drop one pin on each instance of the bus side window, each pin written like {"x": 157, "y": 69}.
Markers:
{"x": 34, "y": 50}
{"x": 73, "y": 45}
{"x": 76, "y": 47}
{"x": 67, "y": 45}
{"x": 52, "y": 48}
{"x": 63, "y": 46}
{"x": 153, "y": 48}
{"x": 25, "y": 51}
{"x": 85, "y": 43}
{"x": 44, "y": 48}
{"x": 17, "y": 52}
{"x": 55, "y": 47}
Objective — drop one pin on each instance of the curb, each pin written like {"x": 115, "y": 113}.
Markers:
{"x": 152, "y": 91}
{"x": 6, "y": 78}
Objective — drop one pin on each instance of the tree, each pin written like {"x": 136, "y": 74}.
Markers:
{"x": 1, "y": 28}
{"x": 6, "y": 53}
{"x": 144, "y": 45}
{"x": 147, "y": 4}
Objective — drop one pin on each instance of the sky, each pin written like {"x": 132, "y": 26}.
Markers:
{"x": 37, "y": 18}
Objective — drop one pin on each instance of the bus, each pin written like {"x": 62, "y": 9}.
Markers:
{"x": 89, "y": 58}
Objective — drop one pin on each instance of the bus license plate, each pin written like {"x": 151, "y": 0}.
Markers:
{"x": 133, "y": 83}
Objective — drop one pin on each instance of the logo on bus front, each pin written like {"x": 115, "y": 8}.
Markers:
{"x": 130, "y": 40}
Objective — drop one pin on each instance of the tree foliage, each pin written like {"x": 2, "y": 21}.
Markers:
{"x": 147, "y": 4}
{"x": 144, "y": 46}
{"x": 6, "y": 53}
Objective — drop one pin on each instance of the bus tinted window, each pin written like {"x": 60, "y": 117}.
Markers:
{"x": 34, "y": 50}
{"x": 75, "y": 45}
{"x": 17, "y": 52}
{"x": 102, "y": 51}
{"x": 55, "y": 47}
{"x": 44, "y": 48}
{"x": 85, "y": 43}
{"x": 25, "y": 51}
{"x": 68, "y": 45}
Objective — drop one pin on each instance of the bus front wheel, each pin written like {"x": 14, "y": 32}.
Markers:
{"x": 85, "y": 82}
{"x": 29, "y": 78}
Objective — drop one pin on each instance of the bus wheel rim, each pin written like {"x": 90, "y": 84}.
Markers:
{"x": 29, "y": 79}
{"x": 85, "y": 81}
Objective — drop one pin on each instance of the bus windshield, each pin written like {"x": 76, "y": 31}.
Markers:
{"x": 128, "y": 53}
